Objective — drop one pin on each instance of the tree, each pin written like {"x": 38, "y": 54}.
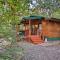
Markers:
{"x": 11, "y": 12}
{"x": 46, "y": 8}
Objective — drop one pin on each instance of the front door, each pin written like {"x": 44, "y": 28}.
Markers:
{"x": 34, "y": 29}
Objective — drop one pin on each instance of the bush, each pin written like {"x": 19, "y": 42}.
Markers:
{"x": 12, "y": 52}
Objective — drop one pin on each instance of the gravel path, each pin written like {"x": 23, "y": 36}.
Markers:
{"x": 39, "y": 52}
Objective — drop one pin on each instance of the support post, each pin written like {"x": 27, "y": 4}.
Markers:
{"x": 29, "y": 30}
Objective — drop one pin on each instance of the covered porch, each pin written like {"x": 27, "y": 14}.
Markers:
{"x": 33, "y": 29}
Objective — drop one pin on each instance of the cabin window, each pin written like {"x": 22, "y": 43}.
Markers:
{"x": 40, "y": 26}
{"x": 22, "y": 27}
{"x": 27, "y": 27}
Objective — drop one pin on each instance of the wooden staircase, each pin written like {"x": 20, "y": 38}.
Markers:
{"x": 36, "y": 39}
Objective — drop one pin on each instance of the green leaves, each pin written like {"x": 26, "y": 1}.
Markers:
{"x": 12, "y": 10}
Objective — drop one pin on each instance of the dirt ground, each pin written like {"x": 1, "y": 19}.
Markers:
{"x": 45, "y": 51}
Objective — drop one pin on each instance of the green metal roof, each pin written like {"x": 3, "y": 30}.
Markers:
{"x": 32, "y": 17}
{"x": 54, "y": 19}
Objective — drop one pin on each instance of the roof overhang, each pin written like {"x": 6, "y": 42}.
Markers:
{"x": 32, "y": 18}
{"x": 53, "y": 19}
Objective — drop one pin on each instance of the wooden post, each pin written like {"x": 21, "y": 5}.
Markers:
{"x": 17, "y": 32}
{"x": 29, "y": 30}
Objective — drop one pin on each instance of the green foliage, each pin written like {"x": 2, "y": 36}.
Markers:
{"x": 47, "y": 8}
{"x": 11, "y": 12}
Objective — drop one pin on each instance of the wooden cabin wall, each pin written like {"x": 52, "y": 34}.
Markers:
{"x": 44, "y": 28}
{"x": 51, "y": 29}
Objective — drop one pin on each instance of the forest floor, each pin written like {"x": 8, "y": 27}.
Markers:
{"x": 44, "y": 51}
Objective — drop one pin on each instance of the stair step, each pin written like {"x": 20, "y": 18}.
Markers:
{"x": 36, "y": 39}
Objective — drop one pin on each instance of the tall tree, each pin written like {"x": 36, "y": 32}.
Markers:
{"x": 45, "y": 7}
{"x": 12, "y": 10}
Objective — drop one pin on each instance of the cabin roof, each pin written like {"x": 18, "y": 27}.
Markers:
{"x": 38, "y": 18}
{"x": 32, "y": 17}
{"x": 54, "y": 19}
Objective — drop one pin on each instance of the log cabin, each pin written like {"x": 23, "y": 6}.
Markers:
{"x": 38, "y": 29}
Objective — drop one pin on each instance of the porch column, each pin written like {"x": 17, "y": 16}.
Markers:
{"x": 29, "y": 29}
{"x": 46, "y": 40}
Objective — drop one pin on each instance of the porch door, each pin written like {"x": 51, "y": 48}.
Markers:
{"x": 34, "y": 29}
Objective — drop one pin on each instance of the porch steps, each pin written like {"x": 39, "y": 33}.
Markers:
{"x": 36, "y": 39}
